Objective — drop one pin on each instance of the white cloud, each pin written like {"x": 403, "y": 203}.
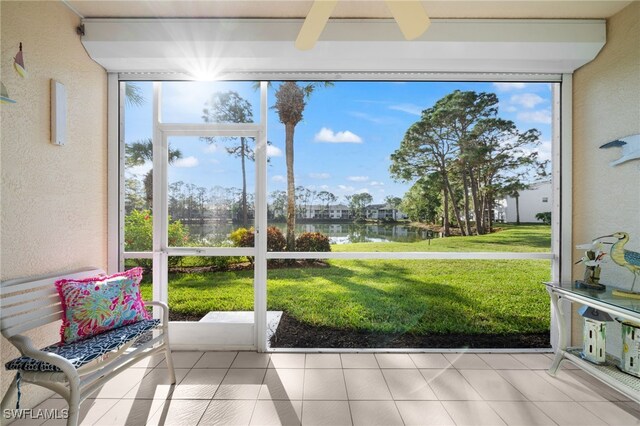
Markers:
{"x": 507, "y": 87}
{"x": 376, "y": 183}
{"x": 273, "y": 151}
{"x": 324, "y": 187}
{"x": 328, "y": 135}
{"x": 544, "y": 150}
{"x": 358, "y": 178}
{"x": 363, "y": 190}
{"x": 371, "y": 118}
{"x": 186, "y": 162}
{"x": 408, "y": 108}
{"x": 346, "y": 188}
{"x": 319, "y": 175}
{"x": 212, "y": 148}
{"x": 142, "y": 169}
{"x": 540, "y": 116}
{"x": 278, "y": 178}
{"x": 527, "y": 100}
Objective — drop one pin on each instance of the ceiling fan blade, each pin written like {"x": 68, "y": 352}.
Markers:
{"x": 410, "y": 16}
{"x": 314, "y": 23}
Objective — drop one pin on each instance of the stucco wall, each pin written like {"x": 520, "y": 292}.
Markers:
{"x": 606, "y": 106}
{"x": 53, "y": 199}
{"x": 531, "y": 202}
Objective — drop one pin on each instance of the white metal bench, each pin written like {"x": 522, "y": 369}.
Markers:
{"x": 75, "y": 370}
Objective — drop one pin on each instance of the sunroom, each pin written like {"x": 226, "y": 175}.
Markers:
{"x": 394, "y": 269}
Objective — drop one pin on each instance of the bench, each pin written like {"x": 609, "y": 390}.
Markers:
{"x": 75, "y": 370}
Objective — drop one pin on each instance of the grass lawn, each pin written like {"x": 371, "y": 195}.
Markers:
{"x": 415, "y": 296}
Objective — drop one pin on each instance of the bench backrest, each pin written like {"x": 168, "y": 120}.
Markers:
{"x": 29, "y": 303}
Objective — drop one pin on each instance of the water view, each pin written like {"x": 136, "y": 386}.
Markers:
{"x": 215, "y": 233}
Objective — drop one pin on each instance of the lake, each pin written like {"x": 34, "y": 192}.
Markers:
{"x": 215, "y": 233}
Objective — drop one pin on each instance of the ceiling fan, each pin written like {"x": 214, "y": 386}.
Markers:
{"x": 409, "y": 15}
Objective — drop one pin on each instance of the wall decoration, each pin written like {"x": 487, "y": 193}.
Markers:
{"x": 4, "y": 95}
{"x": 630, "y": 149}
{"x": 18, "y": 63}
{"x": 625, "y": 258}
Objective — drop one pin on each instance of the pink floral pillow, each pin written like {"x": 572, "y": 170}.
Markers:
{"x": 95, "y": 305}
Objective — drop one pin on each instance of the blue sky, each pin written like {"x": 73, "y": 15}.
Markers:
{"x": 346, "y": 137}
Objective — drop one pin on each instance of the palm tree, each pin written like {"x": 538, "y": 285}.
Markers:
{"x": 139, "y": 152}
{"x": 290, "y": 103}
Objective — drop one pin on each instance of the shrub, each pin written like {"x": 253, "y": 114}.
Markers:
{"x": 544, "y": 217}
{"x": 275, "y": 239}
{"x": 138, "y": 235}
{"x": 312, "y": 241}
{"x": 236, "y": 236}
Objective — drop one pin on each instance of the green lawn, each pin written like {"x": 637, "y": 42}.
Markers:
{"x": 417, "y": 296}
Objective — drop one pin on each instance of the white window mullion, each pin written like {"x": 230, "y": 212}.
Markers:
{"x": 260, "y": 271}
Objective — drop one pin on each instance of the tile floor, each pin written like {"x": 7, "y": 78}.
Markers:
{"x": 246, "y": 388}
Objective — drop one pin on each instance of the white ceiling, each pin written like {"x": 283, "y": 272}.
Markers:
{"x": 517, "y": 9}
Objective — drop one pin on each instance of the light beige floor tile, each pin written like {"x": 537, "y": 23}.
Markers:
{"x": 326, "y": 413}
{"x": 183, "y": 412}
{"x": 241, "y": 384}
{"x": 571, "y": 386}
{"x": 287, "y": 361}
{"x": 467, "y": 361}
{"x": 631, "y": 407}
{"x": 491, "y": 386}
{"x": 532, "y": 386}
{"x": 407, "y": 384}
{"x": 614, "y": 413}
{"x": 502, "y": 362}
{"x": 359, "y": 361}
{"x": 118, "y": 386}
{"x": 267, "y": 413}
{"x": 449, "y": 384}
{"x": 519, "y": 413}
{"x": 90, "y": 412}
{"x": 472, "y": 413}
{"x": 156, "y": 385}
{"x": 372, "y": 413}
{"x": 199, "y": 384}
{"x": 282, "y": 384}
{"x": 149, "y": 362}
{"x": 324, "y": 384}
{"x": 228, "y": 413}
{"x": 251, "y": 360}
{"x": 182, "y": 359}
{"x": 216, "y": 360}
{"x": 430, "y": 361}
{"x": 566, "y": 364}
{"x": 366, "y": 384}
{"x": 323, "y": 361}
{"x": 131, "y": 412}
{"x": 395, "y": 361}
{"x": 424, "y": 413}
{"x": 569, "y": 413}
{"x": 534, "y": 361}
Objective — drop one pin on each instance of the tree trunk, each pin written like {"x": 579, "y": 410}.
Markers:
{"x": 447, "y": 231}
{"x": 244, "y": 183}
{"x": 291, "y": 188}
{"x": 478, "y": 207}
{"x": 456, "y": 210}
{"x": 148, "y": 189}
{"x": 465, "y": 197}
{"x": 517, "y": 197}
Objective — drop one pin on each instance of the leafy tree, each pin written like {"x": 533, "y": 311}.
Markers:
{"x": 230, "y": 107}
{"x": 462, "y": 138}
{"x": 133, "y": 94}
{"x": 327, "y": 198}
{"x": 423, "y": 201}
{"x": 512, "y": 189}
{"x": 358, "y": 204}
{"x": 290, "y": 103}
{"x": 278, "y": 203}
{"x": 141, "y": 151}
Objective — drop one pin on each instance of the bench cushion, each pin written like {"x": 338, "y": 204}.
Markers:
{"x": 85, "y": 351}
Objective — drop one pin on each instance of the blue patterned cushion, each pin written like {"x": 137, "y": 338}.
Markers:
{"x": 85, "y": 351}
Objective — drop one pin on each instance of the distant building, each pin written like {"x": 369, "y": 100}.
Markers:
{"x": 536, "y": 199}
{"x": 343, "y": 212}
{"x": 384, "y": 212}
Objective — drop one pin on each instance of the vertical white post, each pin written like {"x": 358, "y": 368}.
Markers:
{"x": 160, "y": 237}
{"x": 115, "y": 208}
{"x": 260, "y": 271}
